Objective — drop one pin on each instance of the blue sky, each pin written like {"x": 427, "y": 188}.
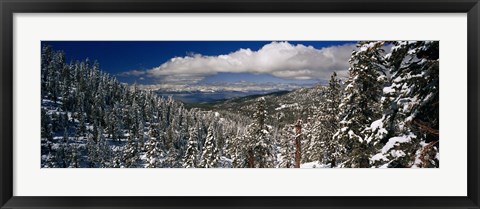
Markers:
{"x": 150, "y": 62}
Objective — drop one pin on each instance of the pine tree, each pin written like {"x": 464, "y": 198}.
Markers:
{"x": 47, "y": 55}
{"x": 104, "y": 152}
{"x": 117, "y": 159}
{"x": 190, "y": 158}
{"x": 130, "y": 153}
{"x": 287, "y": 147}
{"x": 239, "y": 152}
{"x": 93, "y": 159}
{"x": 141, "y": 132}
{"x": 210, "y": 155}
{"x": 361, "y": 103}
{"x": 298, "y": 143}
{"x": 62, "y": 152}
{"x": 47, "y": 130}
{"x": 169, "y": 137}
{"x": 152, "y": 148}
{"x": 326, "y": 124}
{"x": 307, "y": 142}
{"x": 173, "y": 159}
{"x": 75, "y": 155}
{"x": 260, "y": 146}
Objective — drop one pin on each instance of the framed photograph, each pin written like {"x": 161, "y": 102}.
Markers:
{"x": 233, "y": 104}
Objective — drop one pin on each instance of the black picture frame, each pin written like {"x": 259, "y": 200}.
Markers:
{"x": 9, "y": 7}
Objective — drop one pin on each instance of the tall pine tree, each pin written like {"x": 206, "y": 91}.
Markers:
{"x": 361, "y": 103}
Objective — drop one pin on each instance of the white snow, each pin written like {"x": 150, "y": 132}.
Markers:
{"x": 397, "y": 153}
{"x": 388, "y": 89}
{"x": 396, "y": 140}
{"x": 378, "y": 157}
{"x": 314, "y": 164}
{"x": 365, "y": 47}
{"x": 376, "y": 124}
{"x": 55, "y": 146}
{"x": 283, "y": 106}
{"x": 352, "y": 135}
{"x": 385, "y": 165}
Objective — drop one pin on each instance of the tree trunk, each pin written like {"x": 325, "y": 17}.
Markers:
{"x": 333, "y": 159}
{"x": 251, "y": 159}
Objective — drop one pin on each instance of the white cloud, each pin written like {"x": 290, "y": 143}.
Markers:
{"x": 280, "y": 59}
{"x": 133, "y": 73}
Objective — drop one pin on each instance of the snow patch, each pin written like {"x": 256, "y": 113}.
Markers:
{"x": 379, "y": 157}
{"x": 376, "y": 124}
{"x": 388, "y": 90}
{"x": 283, "y": 106}
{"x": 314, "y": 164}
{"x": 396, "y": 140}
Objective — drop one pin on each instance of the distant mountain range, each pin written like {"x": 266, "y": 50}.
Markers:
{"x": 219, "y": 91}
{"x": 193, "y": 97}
{"x": 283, "y": 107}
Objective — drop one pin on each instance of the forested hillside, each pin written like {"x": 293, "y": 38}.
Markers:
{"x": 385, "y": 114}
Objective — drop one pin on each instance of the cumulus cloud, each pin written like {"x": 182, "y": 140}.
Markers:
{"x": 280, "y": 59}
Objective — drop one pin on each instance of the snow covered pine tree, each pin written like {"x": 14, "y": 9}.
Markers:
{"x": 360, "y": 103}
{"x": 408, "y": 131}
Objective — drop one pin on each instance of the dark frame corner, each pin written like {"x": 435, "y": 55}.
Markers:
{"x": 9, "y": 7}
